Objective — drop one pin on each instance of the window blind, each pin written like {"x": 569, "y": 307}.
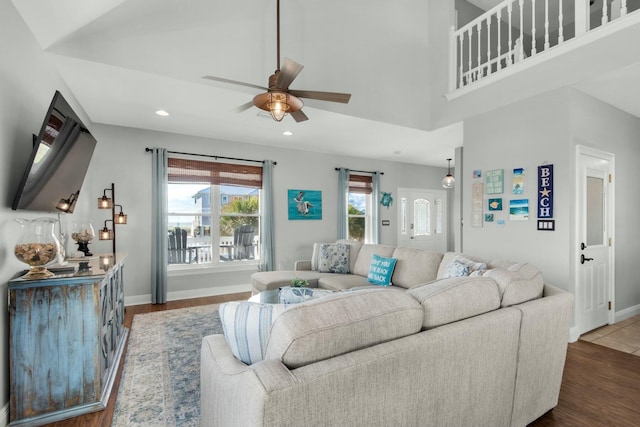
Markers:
{"x": 360, "y": 184}
{"x": 215, "y": 173}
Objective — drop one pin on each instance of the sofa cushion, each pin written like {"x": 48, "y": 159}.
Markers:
{"x": 334, "y": 258}
{"x": 381, "y": 270}
{"x": 518, "y": 283}
{"x": 246, "y": 327}
{"x": 406, "y": 275}
{"x": 340, "y": 282}
{"x": 366, "y": 255}
{"x": 335, "y": 325}
{"x": 456, "y": 298}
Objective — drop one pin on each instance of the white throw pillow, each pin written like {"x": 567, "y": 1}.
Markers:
{"x": 246, "y": 327}
{"x": 334, "y": 258}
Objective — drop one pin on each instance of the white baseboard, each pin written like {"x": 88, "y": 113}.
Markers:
{"x": 192, "y": 293}
{"x": 627, "y": 313}
{"x": 4, "y": 415}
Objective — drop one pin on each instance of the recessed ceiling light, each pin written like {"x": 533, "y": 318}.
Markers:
{"x": 162, "y": 113}
{"x": 287, "y": 133}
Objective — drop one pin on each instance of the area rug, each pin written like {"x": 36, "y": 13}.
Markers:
{"x": 160, "y": 384}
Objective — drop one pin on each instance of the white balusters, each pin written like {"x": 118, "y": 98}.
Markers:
{"x": 479, "y": 68}
{"x": 605, "y": 13}
{"x": 521, "y": 44}
{"x": 623, "y": 8}
{"x": 489, "y": 45}
{"x": 470, "y": 50}
{"x": 461, "y": 44}
{"x": 546, "y": 24}
{"x": 509, "y": 10}
{"x": 560, "y": 23}
{"x": 498, "y": 51}
{"x": 533, "y": 27}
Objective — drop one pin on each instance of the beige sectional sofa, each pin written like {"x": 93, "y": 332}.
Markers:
{"x": 481, "y": 350}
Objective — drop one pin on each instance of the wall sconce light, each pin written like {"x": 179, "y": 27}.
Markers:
{"x": 67, "y": 205}
{"x": 448, "y": 180}
{"x": 105, "y": 202}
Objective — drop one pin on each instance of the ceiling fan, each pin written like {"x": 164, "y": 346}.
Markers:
{"x": 278, "y": 99}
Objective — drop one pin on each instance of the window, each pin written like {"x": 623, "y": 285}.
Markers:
{"x": 213, "y": 212}
{"x": 359, "y": 209}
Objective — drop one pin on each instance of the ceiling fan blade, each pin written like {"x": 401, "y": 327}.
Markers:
{"x": 299, "y": 116}
{"x": 233, "y": 82}
{"x": 243, "y": 107}
{"x": 288, "y": 72}
{"x": 322, "y": 96}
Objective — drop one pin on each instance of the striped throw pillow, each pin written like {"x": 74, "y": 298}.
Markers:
{"x": 246, "y": 327}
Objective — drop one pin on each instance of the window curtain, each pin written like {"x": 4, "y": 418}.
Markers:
{"x": 343, "y": 196}
{"x": 375, "y": 207}
{"x": 268, "y": 243}
{"x": 159, "y": 226}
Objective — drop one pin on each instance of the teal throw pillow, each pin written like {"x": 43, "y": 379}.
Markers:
{"x": 381, "y": 270}
{"x": 246, "y": 327}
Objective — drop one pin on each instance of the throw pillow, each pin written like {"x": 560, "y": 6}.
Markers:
{"x": 381, "y": 270}
{"x": 456, "y": 269}
{"x": 334, "y": 258}
{"x": 246, "y": 327}
{"x": 473, "y": 266}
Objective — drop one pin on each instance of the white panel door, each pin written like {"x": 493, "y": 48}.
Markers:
{"x": 595, "y": 216}
{"x": 422, "y": 217}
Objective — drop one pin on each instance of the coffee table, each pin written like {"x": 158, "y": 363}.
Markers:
{"x": 288, "y": 295}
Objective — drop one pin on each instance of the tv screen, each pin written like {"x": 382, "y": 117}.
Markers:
{"x": 58, "y": 163}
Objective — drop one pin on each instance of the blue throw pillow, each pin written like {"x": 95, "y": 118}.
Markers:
{"x": 381, "y": 270}
{"x": 246, "y": 327}
{"x": 334, "y": 258}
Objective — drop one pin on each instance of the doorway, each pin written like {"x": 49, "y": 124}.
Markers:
{"x": 594, "y": 230}
{"x": 422, "y": 219}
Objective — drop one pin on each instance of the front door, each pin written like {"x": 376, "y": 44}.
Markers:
{"x": 422, "y": 217}
{"x": 595, "y": 234}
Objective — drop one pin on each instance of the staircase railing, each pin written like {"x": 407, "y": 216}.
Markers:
{"x": 515, "y": 30}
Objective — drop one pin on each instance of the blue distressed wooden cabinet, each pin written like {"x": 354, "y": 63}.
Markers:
{"x": 66, "y": 337}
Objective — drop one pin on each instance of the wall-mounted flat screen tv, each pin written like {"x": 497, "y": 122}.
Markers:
{"x": 58, "y": 163}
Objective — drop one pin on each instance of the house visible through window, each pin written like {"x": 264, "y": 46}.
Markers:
{"x": 359, "y": 209}
{"x": 213, "y": 212}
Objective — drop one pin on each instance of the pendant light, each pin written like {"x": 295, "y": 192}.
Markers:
{"x": 447, "y": 181}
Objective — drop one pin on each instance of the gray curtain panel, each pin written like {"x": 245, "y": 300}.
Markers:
{"x": 375, "y": 207}
{"x": 159, "y": 226}
{"x": 268, "y": 246}
{"x": 343, "y": 194}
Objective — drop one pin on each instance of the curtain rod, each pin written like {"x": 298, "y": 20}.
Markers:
{"x": 354, "y": 170}
{"x": 212, "y": 156}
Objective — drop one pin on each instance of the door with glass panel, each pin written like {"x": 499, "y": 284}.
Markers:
{"x": 595, "y": 234}
{"x": 422, "y": 217}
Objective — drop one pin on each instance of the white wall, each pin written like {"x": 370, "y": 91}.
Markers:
{"x": 542, "y": 129}
{"x": 120, "y": 158}
{"x": 523, "y": 135}
{"x": 27, "y": 85}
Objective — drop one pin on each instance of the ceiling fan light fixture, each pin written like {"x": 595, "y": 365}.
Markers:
{"x": 277, "y": 103}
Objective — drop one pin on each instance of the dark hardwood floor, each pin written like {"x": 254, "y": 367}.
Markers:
{"x": 600, "y": 387}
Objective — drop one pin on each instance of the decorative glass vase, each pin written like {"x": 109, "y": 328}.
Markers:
{"x": 83, "y": 233}
{"x": 37, "y": 246}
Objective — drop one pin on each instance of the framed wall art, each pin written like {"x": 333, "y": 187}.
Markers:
{"x": 304, "y": 204}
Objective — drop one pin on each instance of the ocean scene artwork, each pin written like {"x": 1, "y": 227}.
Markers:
{"x": 304, "y": 204}
{"x": 519, "y": 210}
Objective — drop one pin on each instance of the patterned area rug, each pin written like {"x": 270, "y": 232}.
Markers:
{"x": 160, "y": 383}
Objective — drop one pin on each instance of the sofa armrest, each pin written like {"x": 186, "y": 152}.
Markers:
{"x": 226, "y": 385}
{"x": 302, "y": 265}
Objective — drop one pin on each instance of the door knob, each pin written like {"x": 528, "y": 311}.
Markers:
{"x": 583, "y": 259}
{"x": 583, "y": 246}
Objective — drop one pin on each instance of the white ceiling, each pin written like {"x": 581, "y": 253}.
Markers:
{"x": 125, "y": 59}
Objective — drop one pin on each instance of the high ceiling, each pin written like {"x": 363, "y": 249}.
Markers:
{"x": 125, "y": 59}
